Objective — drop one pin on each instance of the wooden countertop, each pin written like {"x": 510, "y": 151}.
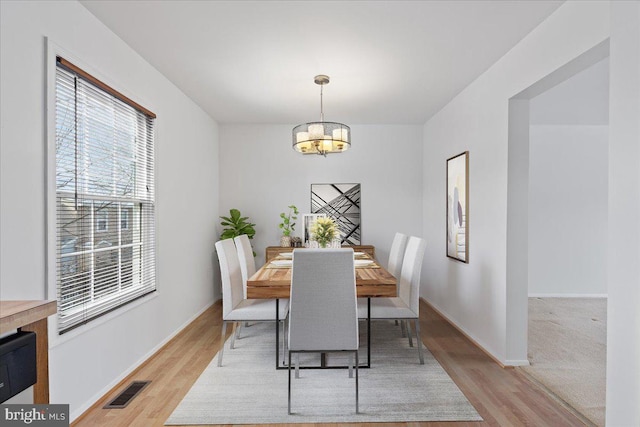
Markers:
{"x": 15, "y": 314}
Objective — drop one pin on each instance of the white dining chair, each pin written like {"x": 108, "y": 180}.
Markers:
{"x": 323, "y": 313}
{"x": 406, "y": 306}
{"x": 247, "y": 261}
{"x": 396, "y": 254}
{"x": 236, "y": 308}
{"x": 247, "y": 266}
{"x": 394, "y": 264}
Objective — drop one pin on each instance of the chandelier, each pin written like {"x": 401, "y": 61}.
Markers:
{"x": 321, "y": 137}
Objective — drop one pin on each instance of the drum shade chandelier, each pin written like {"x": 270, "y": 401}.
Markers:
{"x": 321, "y": 137}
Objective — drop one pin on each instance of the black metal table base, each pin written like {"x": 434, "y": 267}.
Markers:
{"x": 323, "y": 357}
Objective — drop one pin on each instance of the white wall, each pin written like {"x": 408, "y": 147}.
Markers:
{"x": 582, "y": 99}
{"x": 475, "y": 296}
{"x": 87, "y": 362}
{"x": 261, "y": 175}
{"x": 568, "y": 210}
{"x": 623, "y": 315}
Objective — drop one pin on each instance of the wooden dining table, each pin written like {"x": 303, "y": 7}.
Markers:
{"x": 273, "y": 281}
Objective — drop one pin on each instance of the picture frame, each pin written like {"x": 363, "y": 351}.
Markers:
{"x": 458, "y": 207}
{"x": 340, "y": 202}
{"x": 307, "y": 220}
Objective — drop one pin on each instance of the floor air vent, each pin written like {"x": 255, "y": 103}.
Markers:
{"x": 127, "y": 395}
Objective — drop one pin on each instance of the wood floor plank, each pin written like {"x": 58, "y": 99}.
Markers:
{"x": 502, "y": 396}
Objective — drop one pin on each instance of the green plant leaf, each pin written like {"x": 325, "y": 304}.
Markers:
{"x": 228, "y": 234}
{"x": 236, "y": 225}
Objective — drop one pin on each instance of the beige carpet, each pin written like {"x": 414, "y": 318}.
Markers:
{"x": 567, "y": 351}
{"x": 247, "y": 389}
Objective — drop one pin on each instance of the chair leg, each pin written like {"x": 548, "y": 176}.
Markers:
{"x": 222, "y": 339}
{"x": 238, "y": 328}
{"x": 357, "y": 403}
{"x": 284, "y": 340}
{"x": 409, "y": 333}
{"x": 403, "y": 328}
{"x": 235, "y": 331}
{"x": 297, "y": 365}
{"x": 416, "y": 323}
{"x": 350, "y": 365}
{"x": 289, "y": 392}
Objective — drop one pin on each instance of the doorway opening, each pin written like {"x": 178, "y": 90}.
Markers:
{"x": 557, "y": 231}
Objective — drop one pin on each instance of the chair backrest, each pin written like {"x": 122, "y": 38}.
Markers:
{"x": 409, "y": 284}
{"x": 396, "y": 254}
{"x": 323, "y": 310}
{"x": 247, "y": 262}
{"x": 231, "y": 276}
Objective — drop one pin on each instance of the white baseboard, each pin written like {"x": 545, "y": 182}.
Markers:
{"x": 568, "y": 295}
{"x": 510, "y": 362}
{"x": 485, "y": 349}
{"x": 90, "y": 402}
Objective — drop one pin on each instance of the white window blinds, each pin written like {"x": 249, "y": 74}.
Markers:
{"x": 104, "y": 198}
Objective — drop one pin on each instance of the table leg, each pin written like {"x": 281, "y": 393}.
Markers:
{"x": 278, "y": 333}
{"x": 41, "y": 387}
{"x": 368, "y": 332}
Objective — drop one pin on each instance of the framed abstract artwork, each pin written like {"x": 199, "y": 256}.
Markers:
{"x": 458, "y": 207}
{"x": 341, "y": 202}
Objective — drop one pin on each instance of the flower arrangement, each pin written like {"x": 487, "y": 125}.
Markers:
{"x": 323, "y": 231}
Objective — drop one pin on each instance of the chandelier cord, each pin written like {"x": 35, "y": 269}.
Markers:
{"x": 321, "y": 109}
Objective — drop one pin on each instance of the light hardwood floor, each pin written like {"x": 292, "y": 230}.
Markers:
{"x": 502, "y": 396}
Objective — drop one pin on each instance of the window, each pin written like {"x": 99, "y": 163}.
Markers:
{"x": 124, "y": 219}
{"x": 104, "y": 198}
{"x": 102, "y": 220}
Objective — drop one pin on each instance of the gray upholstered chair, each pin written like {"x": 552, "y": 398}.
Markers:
{"x": 236, "y": 308}
{"x": 323, "y": 314}
{"x": 406, "y": 306}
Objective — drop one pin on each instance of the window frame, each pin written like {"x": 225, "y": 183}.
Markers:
{"x": 52, "y": 52}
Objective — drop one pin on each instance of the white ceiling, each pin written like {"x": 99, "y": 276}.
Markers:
{"x": 390, "y": 62}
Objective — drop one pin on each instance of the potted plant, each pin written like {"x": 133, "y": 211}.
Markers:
{"x": 288, "y": 225}
{"x": 235, "y": 224}
{"x": 323, "y": 231}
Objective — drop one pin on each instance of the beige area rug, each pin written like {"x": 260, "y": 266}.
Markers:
{"x": 567, "y": 351}
{"x": 248, "y": 389}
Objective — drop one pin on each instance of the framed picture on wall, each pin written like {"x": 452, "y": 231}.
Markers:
{"x": 307, "y": 221}
{"x": 458, "y": 207}
{"x": 340, "y": 202}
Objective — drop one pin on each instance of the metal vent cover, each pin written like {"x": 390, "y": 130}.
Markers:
{"x": 126, "y": 396}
